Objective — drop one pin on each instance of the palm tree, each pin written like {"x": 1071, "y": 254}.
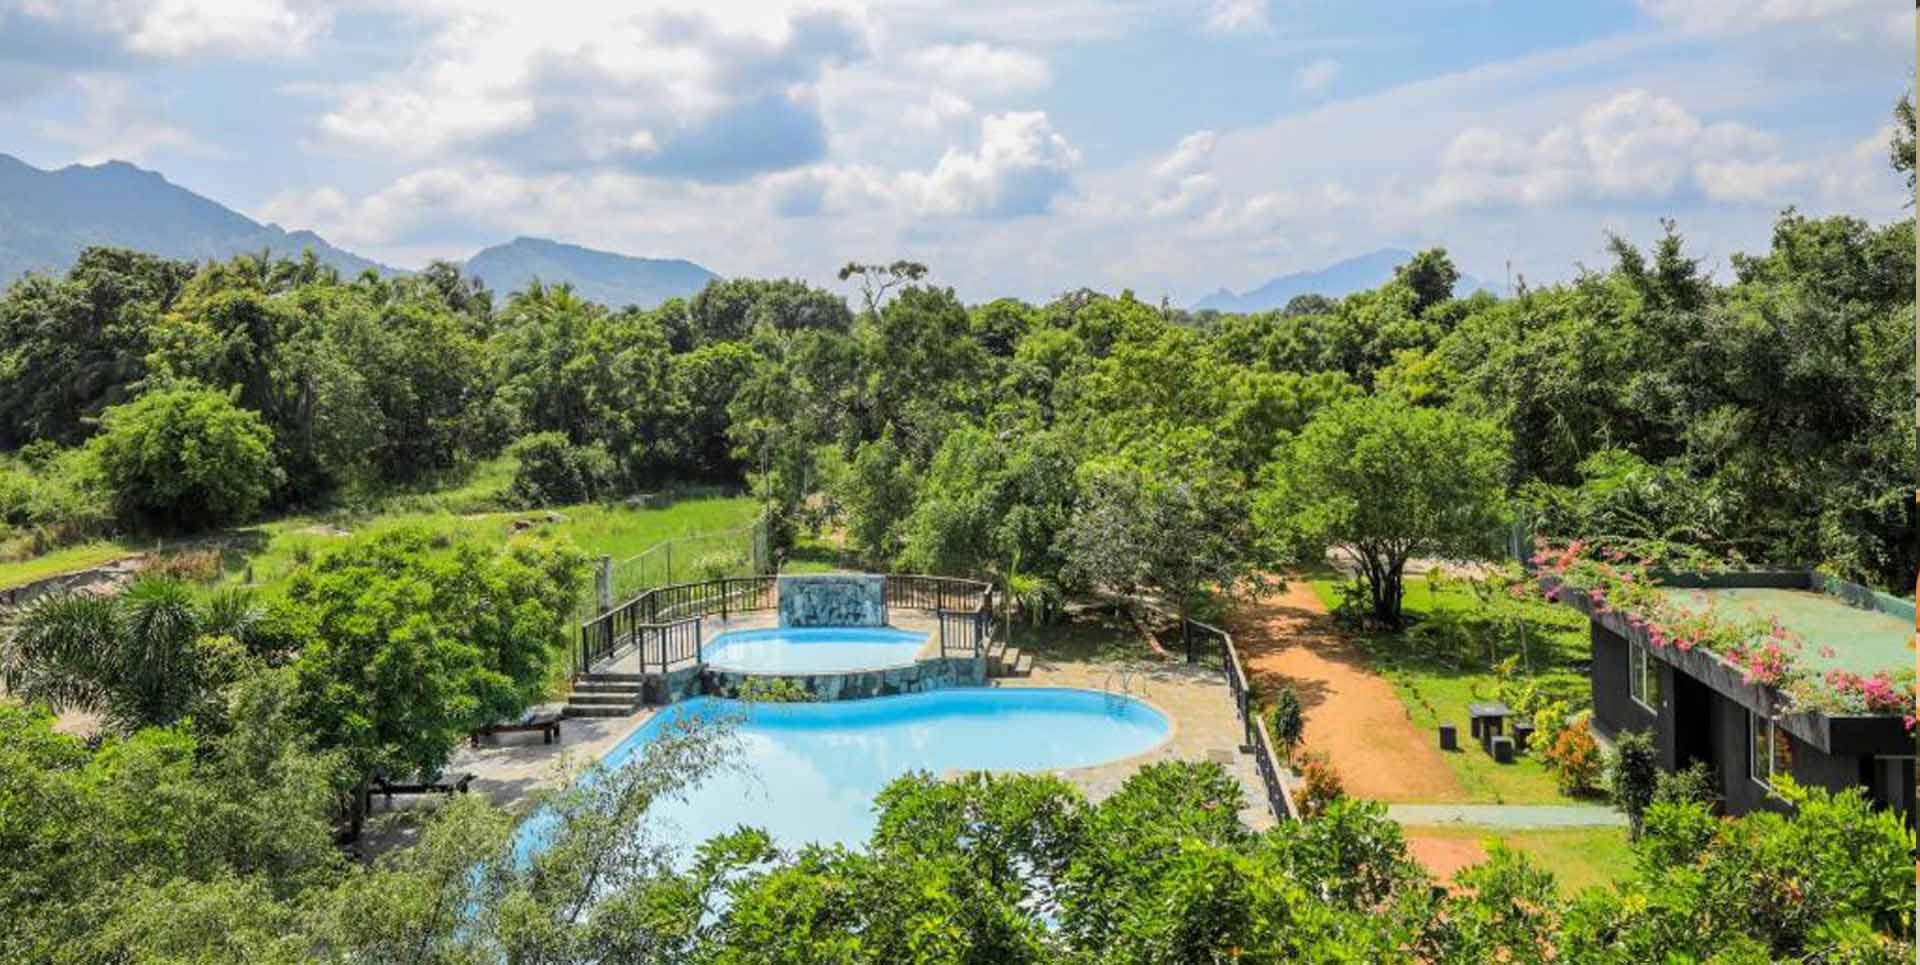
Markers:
{"x": 133, "y": 657}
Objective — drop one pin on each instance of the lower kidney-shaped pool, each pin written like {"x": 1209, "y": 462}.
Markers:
{"x": 811, "y": 770}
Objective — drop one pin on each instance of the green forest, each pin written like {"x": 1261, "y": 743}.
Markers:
{"x": 1094, "y": 442}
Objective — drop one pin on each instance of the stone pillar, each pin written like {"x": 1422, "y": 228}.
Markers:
{"x": 603, "y": 583}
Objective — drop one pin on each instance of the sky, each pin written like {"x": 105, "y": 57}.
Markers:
{"x": 1022, "y": 149}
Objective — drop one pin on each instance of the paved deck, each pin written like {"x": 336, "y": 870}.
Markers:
{"x": 1196, "y": 698}
{"x": 509, "y": 768}
{"x": 628, "y": 661}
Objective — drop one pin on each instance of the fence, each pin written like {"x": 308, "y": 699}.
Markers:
{"x": 665, "y": 622}
{"x": 739, "y": 551}
{"x": 1202, "y": 638}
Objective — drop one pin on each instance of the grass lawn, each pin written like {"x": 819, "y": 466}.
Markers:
{"x": 265, "y": 555}
{"x": 1439, "y": 663}
{"x": 1578, "y": 857}
{"x": 79, "y": 556}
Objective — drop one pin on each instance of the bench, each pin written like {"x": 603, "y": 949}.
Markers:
{"x": 547, "y": 724}
{"x": 438, "y": 784}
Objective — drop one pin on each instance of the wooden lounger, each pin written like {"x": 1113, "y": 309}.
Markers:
{"x": 456, "y": 784}
{"x": 547, "y": 724}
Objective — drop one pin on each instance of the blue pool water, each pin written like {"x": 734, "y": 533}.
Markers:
{"x": 811, "y": 770}
{"x": 812, "y": 650}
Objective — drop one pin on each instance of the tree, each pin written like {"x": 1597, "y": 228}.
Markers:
{"x": 1288, "y": 724}
{"x": 186, "y": 458}
{"x": 149, "y": 655}
{"x": 1635, "y": 774}
{"x": 550, "y": 471}
{"x": 406, "y": 647}
{"x": 1901, "y": 147}
{"x": 1164, "y": 518}
{"x": 1384, "y": 482}
{"x": 1430, "y": 275}
{"x": 876, "y": 280}
{"x": 875, "y": 493}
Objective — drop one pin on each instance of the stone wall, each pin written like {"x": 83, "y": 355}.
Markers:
{"x": 833, "y": 600}
{"x": 934, "y": 674}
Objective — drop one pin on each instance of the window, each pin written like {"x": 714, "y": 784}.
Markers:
{"x": 1769, "y": 749}
{"x": 1643, "y": 676}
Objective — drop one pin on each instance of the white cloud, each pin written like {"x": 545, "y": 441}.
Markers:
{"x": 1633, "y": 145}
{"x": 176, "y": 29}
{"x": 1315, "y": 77}
{"x": 1192, "y": 154}
{"x": 1019, "y": 167}
{"x": 982, "y": 67}
{"x": 677, "y": 88}
{"x": 121, "y": 122}
{"x": 1238, "y": 17}
{"x": 1744, "y": 16}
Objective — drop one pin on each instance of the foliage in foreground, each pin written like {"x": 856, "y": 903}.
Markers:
{"x": 980, "y": 868}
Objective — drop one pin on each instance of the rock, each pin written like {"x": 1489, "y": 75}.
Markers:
{"x": 553, "y": 517}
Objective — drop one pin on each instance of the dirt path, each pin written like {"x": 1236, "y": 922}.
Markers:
{"x": 1444, "y": 857}
{"x": 1351, "y": 713}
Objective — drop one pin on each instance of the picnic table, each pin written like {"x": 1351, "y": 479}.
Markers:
{"x": 1487, "y": 719}
{"x": 547, "y": 724}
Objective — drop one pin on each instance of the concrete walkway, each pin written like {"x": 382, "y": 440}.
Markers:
{"x": 1510, "y": 816}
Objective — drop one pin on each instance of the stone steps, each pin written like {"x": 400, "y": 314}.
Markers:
{"x": 1008, "y": 662}
{"x": 606, "y": 695}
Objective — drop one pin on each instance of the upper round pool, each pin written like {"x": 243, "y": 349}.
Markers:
{"x": 794, "y": 650}
{"x": 810, "y": 771}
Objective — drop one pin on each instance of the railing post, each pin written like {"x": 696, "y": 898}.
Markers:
{"x": 1186, "y": 636}
{"x": 603, "y": 584}
{"x": 724, "y": 588}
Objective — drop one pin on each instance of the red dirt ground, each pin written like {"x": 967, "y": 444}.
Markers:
{"x": 1443, "y": 857}
{"x": 1352, "y": 714}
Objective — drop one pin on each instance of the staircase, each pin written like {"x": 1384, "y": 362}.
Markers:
{"x": 606, "y": 695}
{"x": 1006, "y": 660}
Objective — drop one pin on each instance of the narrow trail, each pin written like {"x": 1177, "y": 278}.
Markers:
{"x": 1352, "y": 714}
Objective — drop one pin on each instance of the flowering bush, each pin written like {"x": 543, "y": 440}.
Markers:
{"x": 1575, "y": 758}
{"x": 1614, "y": 580}
{"x": 1319, "y": 784}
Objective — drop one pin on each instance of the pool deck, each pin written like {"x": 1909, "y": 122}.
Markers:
{"x": 628, "y": 661}
{"x": 509, "y": 768}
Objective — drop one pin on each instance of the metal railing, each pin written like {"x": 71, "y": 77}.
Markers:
{"x": 1201, "y": 637}
{"x": 657, "y": 621}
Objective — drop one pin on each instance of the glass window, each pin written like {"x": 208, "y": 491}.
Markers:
{"x": 1769, "y": 749}
{"x": 1643, "y": 676}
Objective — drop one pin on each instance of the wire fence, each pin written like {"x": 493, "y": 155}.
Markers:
{"x": 739, "y": 551}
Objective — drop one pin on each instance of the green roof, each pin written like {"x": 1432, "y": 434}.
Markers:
{"x": 1862, "y": 640}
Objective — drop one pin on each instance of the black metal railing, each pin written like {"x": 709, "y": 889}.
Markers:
{"x": 917, "y": 592}
{"x": 654, "y": 620}
{"x": 636, "y": 622}
{"x": 1201, "y": 639}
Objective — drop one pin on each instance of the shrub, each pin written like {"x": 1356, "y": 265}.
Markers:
{"x": 553, "y": 471}
{"x": 186, "y": 458}
{"x": 1575, "y": 759}
{"x": 1694, "y": 784}
{"x": 1285, "y": 720}
{"x": 190, "y": 566}
{"x": 713, "y": 566}
{"x": 1319, "y": 785}
{"x": 1636, "y": 769}
{"x": 774, "y": 690}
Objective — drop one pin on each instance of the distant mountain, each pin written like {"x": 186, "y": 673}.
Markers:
{"x": 46, "y": 217}
{"x": 1337, "y": 280}
{"x": 602, "y": 276}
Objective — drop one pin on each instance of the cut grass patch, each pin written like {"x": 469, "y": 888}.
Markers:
{"x": 1578, "y": 857}
{"x": 1436, "y": 675}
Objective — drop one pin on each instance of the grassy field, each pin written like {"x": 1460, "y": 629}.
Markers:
{"x": 1440, "y": 663}
{"x": 265, "y": 555}
{"x": 1578, "y": 857}
{"x": 66, "y": 559}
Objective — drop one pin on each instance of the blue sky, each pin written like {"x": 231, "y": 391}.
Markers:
{"x": 1017, "y": 148}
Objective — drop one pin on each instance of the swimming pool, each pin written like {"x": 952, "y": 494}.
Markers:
{"x": 811, "y": 770}
{"x": 794, "y": 650}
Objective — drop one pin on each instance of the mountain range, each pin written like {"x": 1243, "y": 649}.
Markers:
{"x": 47, "y": 217}
{"x": 1339, "y": 279}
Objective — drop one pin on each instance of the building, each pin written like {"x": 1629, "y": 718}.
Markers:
{"x": 1698, "y": 707}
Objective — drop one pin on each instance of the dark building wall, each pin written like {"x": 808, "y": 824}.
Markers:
{"x": 1715, "y": 729}
{"x": 1614, "y": 708}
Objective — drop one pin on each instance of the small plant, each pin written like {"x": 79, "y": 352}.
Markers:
{"x": 1635, "y": 772}
{"x": 191, "y": 566}
{"x": 1694, "y": 784}
{"x": 774, "y": 690}
{"x": 1320, "y": 785}
{"x": 1575, "y": 759}
{"x": 1285, "y": 721}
